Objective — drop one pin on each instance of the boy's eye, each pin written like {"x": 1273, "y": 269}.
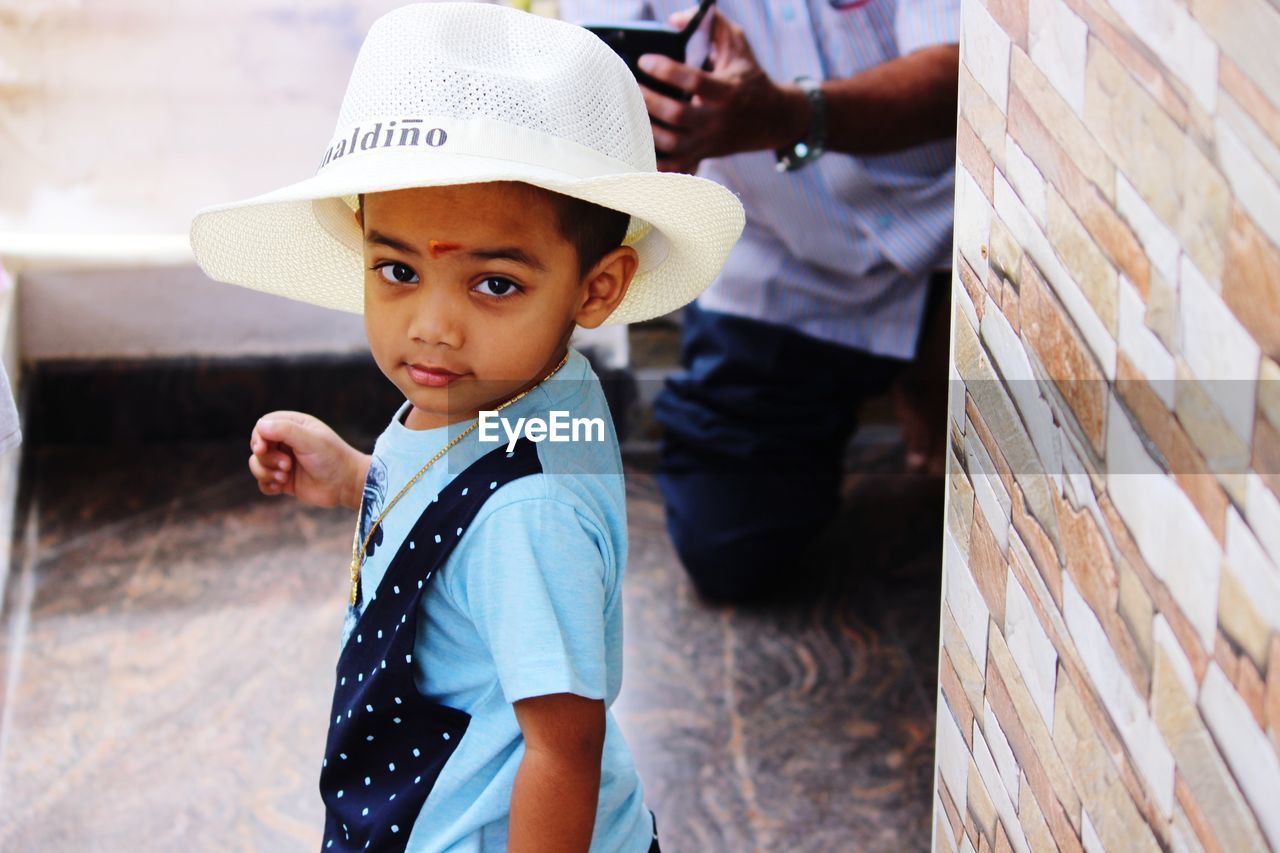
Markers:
{"x": 498, "y": 287}
{"x": 400, "y": 273}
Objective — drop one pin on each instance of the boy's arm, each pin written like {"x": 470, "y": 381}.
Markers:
{"x": 553, "y": 801}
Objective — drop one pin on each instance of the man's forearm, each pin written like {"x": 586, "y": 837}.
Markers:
{"x": 899, "y": 104}
{"x": 553, "y": 802}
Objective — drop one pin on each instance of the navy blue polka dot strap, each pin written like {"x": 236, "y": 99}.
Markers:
{"x": 388, "y": 743}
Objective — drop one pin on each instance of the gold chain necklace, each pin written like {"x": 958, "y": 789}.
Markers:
{"x": 357, "y": 555}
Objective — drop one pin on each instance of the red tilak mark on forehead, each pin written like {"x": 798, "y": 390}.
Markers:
{"x": 437, "y": 248}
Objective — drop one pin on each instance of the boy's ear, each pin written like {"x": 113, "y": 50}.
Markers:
{"x": 606, "y": 284}
{"x": 360, "y": 219}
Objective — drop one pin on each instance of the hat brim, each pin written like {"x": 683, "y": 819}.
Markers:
{"x": 302, "y": 241}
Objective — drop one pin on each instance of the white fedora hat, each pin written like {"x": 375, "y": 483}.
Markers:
{"x": 459, "y": 93}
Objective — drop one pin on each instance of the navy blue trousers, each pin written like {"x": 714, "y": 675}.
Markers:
{"x": 751, "y": 456}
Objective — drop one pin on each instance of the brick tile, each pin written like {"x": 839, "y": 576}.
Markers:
{"x": 1116, "y": 818}
{"x": 972, "y": 285}
{"x": 1121, "y": 709}
{"x": 1026, "y": 636}
{"x": 985, "y": 118}
{"x": 991, "y": 496}
{"x": 1247, "y": 31}
{"x": 975, "y": 157}
{"x": 1034, "y": 825}
{"x": 1002, "y": 844}
{"x": 1119, "y": 39}
{"x": 1063, "y": 125}
{"x": 1166, "y": 167}
{"x": 1057, "y": 41}
{"x": 969, "y": 675}
{"x": 1187, "y": 811}
{"x": 1250, "y": 282}
{"x": 1185, "y": 462}
{"x": 1215, "y": 346}
{"x": 1252, "y": 690}
{"x": 1084, "y": 260}
{"x": 1247, "y": 160}
{"x": 994, "y": 284}
{"x": 1162, "y": 310}
{"x": 1215, "y": 801}
{"x": 1044, "y": 789}
{"x": 1137, "y": 611}
{"x": 1175, "y": 541}
{"x": 1249, "y": 594}
{"x": 959, "y": 504}
{"x": 982, "y": 811}
{"x": 953, "y": 692}
{"x": 1271, "y": 699}
{"x": 1088, "y": 558}
{"x": 1078, "y": 378}
{"x": 1196, "y": 404}
{"x": 1043, "y": 553}
{"x": 1005, "y": 257}
{"x": 951, "y": 814}
{"x": 1238, "y": 617}
{"x": 1182, "y": 629}
{"x": 987, "y": 566}
{"x": 979, "y": 424}
{"x": 942, "y": 839}
{"x": 1094, "y": 573}
{"x": 985, "y": 51}
{"x": 1225, "y": 657}
{"x": 1112, "y": 234}
{"x": 1025, "y": 178}
{"x": 1142, "y": 346}
{"x": 1269, "y": 391}
{"x": 1266, "y": 452}
{"x": 973, "y": 215}
{"x": 1244, "y": 746}
{"x": 1253, "y": 100}
{"x": 1009, "y": 305}
{"x": 1011, "y": 15}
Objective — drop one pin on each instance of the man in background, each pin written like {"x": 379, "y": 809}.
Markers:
{"x": 834, "y": 122}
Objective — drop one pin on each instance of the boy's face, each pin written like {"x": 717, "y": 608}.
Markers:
{"x": 471, "y": 293}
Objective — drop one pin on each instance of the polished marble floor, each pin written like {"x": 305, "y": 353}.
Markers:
{"x": 167, "y": 638}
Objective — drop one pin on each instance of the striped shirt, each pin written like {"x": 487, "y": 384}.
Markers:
{"x": 841, "y": 249}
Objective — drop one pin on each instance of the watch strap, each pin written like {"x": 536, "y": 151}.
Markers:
{"x": 813, "y": 145}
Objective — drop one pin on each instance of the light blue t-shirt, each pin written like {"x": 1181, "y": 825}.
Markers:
{"x": 529, "y": 603}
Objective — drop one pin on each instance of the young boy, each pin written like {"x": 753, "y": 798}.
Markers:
{"x": 491, "y": 184}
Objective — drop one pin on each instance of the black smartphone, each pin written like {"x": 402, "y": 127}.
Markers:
{"x": 633, "y": 40}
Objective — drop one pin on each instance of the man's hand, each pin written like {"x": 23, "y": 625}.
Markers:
{"x": 297, "y": 454}
{"x": 735, "y": 106}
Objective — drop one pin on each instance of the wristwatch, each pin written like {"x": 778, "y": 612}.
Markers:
{"x": 810, "y": 148}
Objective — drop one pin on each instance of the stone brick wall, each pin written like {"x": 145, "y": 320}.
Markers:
{"x": 1110, "y": 656}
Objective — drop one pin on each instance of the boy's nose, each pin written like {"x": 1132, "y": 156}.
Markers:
{"x": 437, "y": 317}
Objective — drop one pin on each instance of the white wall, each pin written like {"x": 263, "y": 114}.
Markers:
{"x": 124, "y": 117}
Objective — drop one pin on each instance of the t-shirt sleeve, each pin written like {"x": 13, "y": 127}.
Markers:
{"x": 924, "y": 23}
{"x": 533, "y": 584}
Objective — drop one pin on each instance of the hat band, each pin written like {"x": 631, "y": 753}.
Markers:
{"x": 477, "y": 137}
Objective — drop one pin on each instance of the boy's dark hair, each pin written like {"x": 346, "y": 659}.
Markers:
{"x": 592, "y": 230}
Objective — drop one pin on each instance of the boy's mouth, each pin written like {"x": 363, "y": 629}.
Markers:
{"x": 431, "y": 376}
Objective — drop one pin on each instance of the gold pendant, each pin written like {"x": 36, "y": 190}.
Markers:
{"x": 355, "y": 579}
